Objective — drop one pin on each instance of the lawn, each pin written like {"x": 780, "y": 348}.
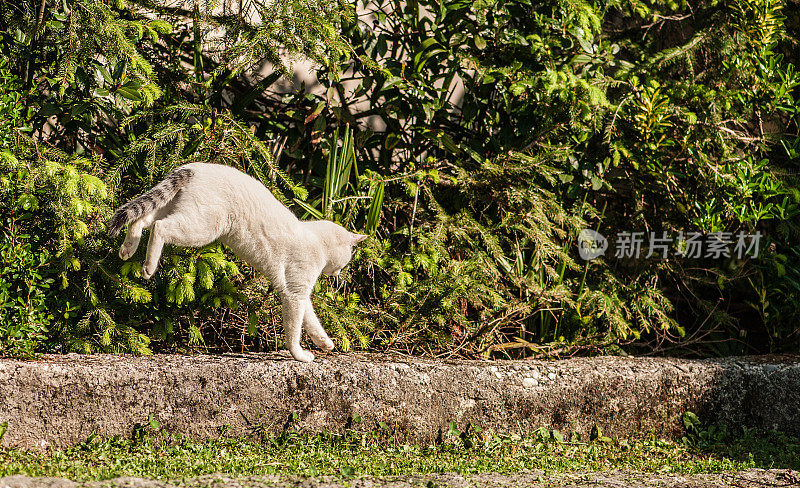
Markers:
{"x": 157, "y": 455}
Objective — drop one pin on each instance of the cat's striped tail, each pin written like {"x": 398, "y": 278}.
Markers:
{"x": 157, "y": 197}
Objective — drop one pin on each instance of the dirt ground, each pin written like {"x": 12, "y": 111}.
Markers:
{"x": 756, "y": 478}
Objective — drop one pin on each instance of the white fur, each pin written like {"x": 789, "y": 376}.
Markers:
{"x": 222, "y": 203}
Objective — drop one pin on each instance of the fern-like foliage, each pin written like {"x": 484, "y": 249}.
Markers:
{"x": 63, "y": 206}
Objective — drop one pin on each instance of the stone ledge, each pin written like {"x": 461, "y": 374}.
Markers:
{"x": 62, "y": 400}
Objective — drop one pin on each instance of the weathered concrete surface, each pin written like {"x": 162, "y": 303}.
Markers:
{"x": 755, "y": 478}
{"x": 61, "y": 400}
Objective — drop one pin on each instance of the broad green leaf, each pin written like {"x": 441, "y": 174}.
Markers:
{"x": 374, "y": 214}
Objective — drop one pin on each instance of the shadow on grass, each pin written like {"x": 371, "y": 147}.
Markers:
{"x": 762, "y": 449}
{"x": 766, "y": 450}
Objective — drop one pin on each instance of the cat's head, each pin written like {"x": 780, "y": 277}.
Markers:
{"x": 340, "y": 243}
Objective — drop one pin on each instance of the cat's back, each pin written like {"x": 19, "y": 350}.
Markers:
{"x": 212, "y": 176}
{"x": 227, "y": 185}
{"x": 240, "y": 201}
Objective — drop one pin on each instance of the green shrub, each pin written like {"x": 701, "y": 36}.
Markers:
{"x": 570, "y": 118}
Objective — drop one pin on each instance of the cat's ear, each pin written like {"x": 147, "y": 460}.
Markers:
{"x": 358, "y": 238}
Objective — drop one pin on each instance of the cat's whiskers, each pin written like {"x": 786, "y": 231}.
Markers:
{"x": 340, "y": 285}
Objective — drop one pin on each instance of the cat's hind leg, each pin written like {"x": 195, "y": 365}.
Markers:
{"x": 314, "y": 329}
{"x": 174, "y": 229}
{"x": 154, "y": 247}
{"x": 294, "y": 308}
{"x": 134, "y": 235}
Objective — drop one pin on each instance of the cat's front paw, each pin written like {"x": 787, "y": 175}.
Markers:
{"x": 302, "y": 355}
{"x": 324, "y": 343}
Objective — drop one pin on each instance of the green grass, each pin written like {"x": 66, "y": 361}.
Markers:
{"x": 164, "y": 457}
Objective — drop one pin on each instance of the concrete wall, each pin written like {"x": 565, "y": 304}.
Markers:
{"x": 61, "y": 400}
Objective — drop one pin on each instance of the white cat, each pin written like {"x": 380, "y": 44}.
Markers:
{"x": 200, "y": 203}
